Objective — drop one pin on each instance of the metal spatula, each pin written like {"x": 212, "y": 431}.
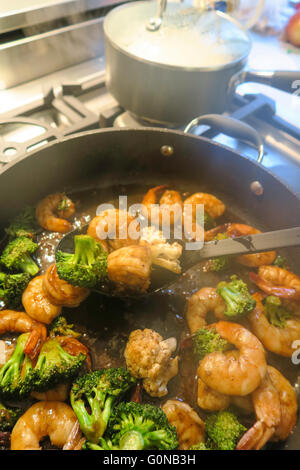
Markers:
{"x": 249, "y": 244}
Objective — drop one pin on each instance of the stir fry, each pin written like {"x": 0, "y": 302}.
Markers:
{"x": 230, "y": 327}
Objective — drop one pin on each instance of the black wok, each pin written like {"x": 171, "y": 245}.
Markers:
{"x": 120, "y": 161}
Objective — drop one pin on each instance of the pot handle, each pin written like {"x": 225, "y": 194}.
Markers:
{"x": 285, "y": 80}
{"x": 231, "y": 127}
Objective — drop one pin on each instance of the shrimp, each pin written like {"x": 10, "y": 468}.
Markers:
{"x": 169, "y": 205}
{"x": 6, "y": 351}
{"x": 234, "y": 372}
{"x": 11, "y": 321}
{"x": 275, "y": 406}
{"x": 212, "y": 205}
{"x": 189, "y": 426}
{"x": 45, "y": 418}
{"x": 209, "y": 399}
{"x": 277, "y": 281}
{"x": 200, "y": 304}
{"x": 239, "y": 230}
{"x": 58, "y": 393}
{"x": 50, "y": 206}
{"x": 117, "y": 226}
{"x": 60, "y": 292}
{"x": 278, "y": 340}
{"x": 37, "y": 303}
{"x": 129, "y": 268}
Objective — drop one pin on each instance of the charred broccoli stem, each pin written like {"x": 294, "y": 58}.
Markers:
{"x": 16, "y": 374}
{"x": 93, "y": 396}
{"x": 60, "y": 327}
{"x": 87, "y": 266}
{"x": 16, "y": 256}
{"x": 54, "y": 365}
{"x": 12, "y": 287}
{"x": 23, "y": 225}
{"x": 8, "y": 417}
{"x": 223, "y": 430}
{"x": 237, "y": 297}
{"x": 276, "y": 313}
{"x": 139, "y": 427}
{"x": 206, "y": 341}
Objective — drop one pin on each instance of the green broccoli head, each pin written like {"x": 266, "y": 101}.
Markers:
{"x": 23, "y": 225}
{"x": 222, "y": 262}
{"x": 60, "y": 327}
{"x": 54, "y": 365}
{"x": 87, "y": 266}
{"x": 16, "y": 256}
{"x": 138, "y": 427}
{"x": 8, "y": 417}
{"x": 224, "y": 430}
{"x": 16, "y": 373}
{"x": 12, "y": 287}
{"x": 281, "y": 262}
{"x": 93, "y": 396}
{"x": 206, "y": 341}
{"x": 237, "y": 297}
{"x": 217, "y": 264}
{"x": 206, "y": 221}
{"x": 200, "y": 446}
{"x": 276, "y": 313}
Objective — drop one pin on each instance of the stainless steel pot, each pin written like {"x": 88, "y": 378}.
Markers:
{"x": 173, "y": 89}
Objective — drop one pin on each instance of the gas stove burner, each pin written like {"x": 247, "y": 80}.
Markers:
{"x": 22, "y": 134}
{"x": 39, "y": 122}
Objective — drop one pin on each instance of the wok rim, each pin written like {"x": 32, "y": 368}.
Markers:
{"x": 155, "y": 130}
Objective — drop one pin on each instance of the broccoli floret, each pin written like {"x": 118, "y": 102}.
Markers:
{"x": 224, "y": 430}
{"x": 276, "y": 313}
{"x": 207, "y": 222}
{"x": 16, "y": 256}
{"x": 217, "y": 264}
{"x": 281, "y": 262}
{"x": 238, "y": 299}
{"x": 87, "y": 266}
{"x": 12, "y": 287}
{"x": 16, "y": 373}
{"x": 206, "y": 341}
{"x": 93, "y": 396}
{"x": 139, "y": 427}
{"x": 8, "y": 417}
{"x": 23, "y": 225}
{"x": 222, "y": 262}
{"x": 60, "y": 327}
{"x": 64, "y": 204}
{"x": 201, "y": 446}
{"x": 54, "y": 365}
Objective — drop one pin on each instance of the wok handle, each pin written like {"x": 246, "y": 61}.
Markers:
{"x": 231, "y": 127}
{"x": 285, "y": 80}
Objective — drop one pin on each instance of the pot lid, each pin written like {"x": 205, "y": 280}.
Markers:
{"x": 188, "y": 37}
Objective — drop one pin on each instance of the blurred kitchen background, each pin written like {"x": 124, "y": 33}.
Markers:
{"x": 53, "y": 77}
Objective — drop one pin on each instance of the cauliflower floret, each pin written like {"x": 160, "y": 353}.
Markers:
{"x": 163, "y": 253}
{"x": 189, "y": 426}
{"x": 148, "y": 357}
{"x": 129, "y": 268}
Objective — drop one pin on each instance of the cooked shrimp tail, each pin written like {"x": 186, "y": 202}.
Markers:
{"x": 52, "y": 212}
